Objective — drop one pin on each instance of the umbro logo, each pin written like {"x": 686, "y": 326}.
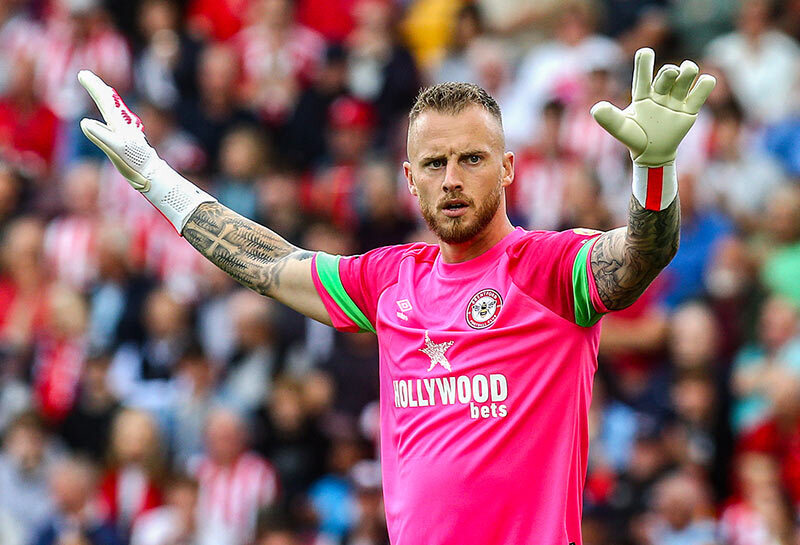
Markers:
{"x": 405, "y": 306}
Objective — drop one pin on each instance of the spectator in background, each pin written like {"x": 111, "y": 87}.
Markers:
{"x": 217, "y": 20}
{"x": 175, "y": 523}
{"x": 19, "y": 37}
{"x": 142, "y": 373}
{"x": 165, "y": 71}
{"x": 370, "y": 527}
{"x": 468, "y": 26}
{"x": 87, "y": 427}
{"x": 73, "y": 484}
{"x": 23, "y": 285}
{"x": 247, "y": 376}
{"x": 759, "y": 512}
{"x": 78, "y": 36}
{"x": 381, "y": 221}
{"x": 682, "y": 513}
{"x": 13, "y": 195}
{"x": 761, "y": 63}
{"x": 738, "y": 179}
{"x": 332, "y": 191}
{"x": 290, "y": 436}
{"x": 117, "y": 295}
{"x": 382, "y": 71}
{"x": 217, "y": 108}
{"x": 28, "y": 128}
{"x": 243, "y": 159}
{"x": 131, "y": 485}
{"x": 541, "y": 173}
{"x": 279, "y": 58}
{"x": 303, "y": 137}
{"x": 702, "y": 230}
{"x": 195, "y": 399}
{"x": 70, "y": 240}
{"x": 776, "y": 350}
{"x": 556, "y": 70}
{"x": 235, "y": 483}
{"x": 779, "y": 270}
{"x": 25, "y": 461}
{"x": 779, "y": 435}
{"x": 59, "y": 352}
{"x": 332, "y": 497}
{"x": 279, "y": 203}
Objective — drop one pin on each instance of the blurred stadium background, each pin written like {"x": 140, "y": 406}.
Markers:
{"x": 145, "y": 398}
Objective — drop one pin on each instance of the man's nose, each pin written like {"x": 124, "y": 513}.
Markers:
{"x": 452, "y": 178}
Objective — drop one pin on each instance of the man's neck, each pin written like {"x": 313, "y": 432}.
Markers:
{"x": 482, "y": 242}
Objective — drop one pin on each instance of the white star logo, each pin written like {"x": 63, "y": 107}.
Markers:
{"x": 436, "y": 352}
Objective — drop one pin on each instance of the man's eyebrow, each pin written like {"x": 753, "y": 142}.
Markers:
{"x": 432, "y": 157}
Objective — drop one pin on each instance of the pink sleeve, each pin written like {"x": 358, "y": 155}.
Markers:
{"x": 366, "y": 276}
{"x": 351, "y": 286}
{"x": 340, "y": 320}
{"x": 542, "y": 265}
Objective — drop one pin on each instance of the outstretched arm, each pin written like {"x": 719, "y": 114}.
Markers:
{"x": 252, "y": 254}
{"x": 663, "y": 109}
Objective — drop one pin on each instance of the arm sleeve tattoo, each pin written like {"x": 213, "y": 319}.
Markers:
{"x": 625, "y": 260}
{"x": 250, "y": 253}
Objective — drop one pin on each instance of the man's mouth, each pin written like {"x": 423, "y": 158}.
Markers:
{"x": 455, "y": 208}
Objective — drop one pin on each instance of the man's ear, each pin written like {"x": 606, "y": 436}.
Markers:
{"x": 412, "y": 188}
{"x": 508, "y": 169}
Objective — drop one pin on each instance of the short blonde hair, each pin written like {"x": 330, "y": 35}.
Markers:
{"x": 452, "y": 98}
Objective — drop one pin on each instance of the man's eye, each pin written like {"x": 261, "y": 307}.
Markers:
{"x": 436, "y": 163}
{"x": 474, "y": 159}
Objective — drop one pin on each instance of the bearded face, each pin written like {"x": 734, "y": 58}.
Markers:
{"x": 463, "y": 228}
{"x": 458, "y": 169}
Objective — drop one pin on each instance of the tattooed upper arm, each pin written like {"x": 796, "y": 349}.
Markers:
{"x": 256, "y": 257}
{"x": 625, "y": 260}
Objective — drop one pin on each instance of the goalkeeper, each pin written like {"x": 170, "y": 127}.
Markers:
{"x": 488, "y": 340}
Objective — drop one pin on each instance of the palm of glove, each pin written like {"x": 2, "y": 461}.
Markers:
{"x": 121, "y": 137}
{"x": 662, "y": 111}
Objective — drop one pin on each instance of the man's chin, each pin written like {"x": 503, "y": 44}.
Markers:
{"x": 454, "y": 230}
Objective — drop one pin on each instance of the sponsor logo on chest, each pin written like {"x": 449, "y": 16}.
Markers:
{"x": 482, "y": 393}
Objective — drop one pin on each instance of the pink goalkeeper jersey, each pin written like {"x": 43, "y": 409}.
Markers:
{"x": 486, "y": 370}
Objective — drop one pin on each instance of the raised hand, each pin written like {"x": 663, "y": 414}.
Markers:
{"x": 122, "y": 138}
{"x": 661, "y": 112}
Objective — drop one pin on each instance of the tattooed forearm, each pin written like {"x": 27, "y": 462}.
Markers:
{"x": 626, "y": 260}
{"x": 252, "y": 254}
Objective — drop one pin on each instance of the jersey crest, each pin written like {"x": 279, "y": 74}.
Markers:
{"x": 483, "y": 308}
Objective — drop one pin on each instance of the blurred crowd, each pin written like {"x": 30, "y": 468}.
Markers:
{"x": 147, "y": 399}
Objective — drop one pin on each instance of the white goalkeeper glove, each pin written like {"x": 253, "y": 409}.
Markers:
{"x": 661, "y": 113}
{"x": 122, "y": 139}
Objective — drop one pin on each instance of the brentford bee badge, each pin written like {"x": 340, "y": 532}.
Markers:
{"x": 483, "y": 309}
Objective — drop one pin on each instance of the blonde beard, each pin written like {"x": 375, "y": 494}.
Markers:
{"x": 453, "y": 230}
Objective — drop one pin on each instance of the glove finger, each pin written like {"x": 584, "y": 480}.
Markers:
{"x": 620, "y": 126}
{"x": 687, "y": 74}
{"x": 102, "y": 136}
{"x": 699, "y": 93}
{"x": 665, "y": 79}
{"x": 642, "y": 73}
{"x": 102, "y": 95}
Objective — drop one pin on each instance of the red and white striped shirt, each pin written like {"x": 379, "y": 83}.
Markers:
{"x": 70, "y": 246}
{"x": 60, "y": 57}
{"x": 231, "y": 496}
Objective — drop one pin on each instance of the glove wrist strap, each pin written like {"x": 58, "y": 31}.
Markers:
{"x": 173, "y": 195}
{"x": 655, "y": 187}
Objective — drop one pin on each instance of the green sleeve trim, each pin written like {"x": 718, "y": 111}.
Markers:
{"x": 328, "y": 272}
{"x": 585, "y": 313}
